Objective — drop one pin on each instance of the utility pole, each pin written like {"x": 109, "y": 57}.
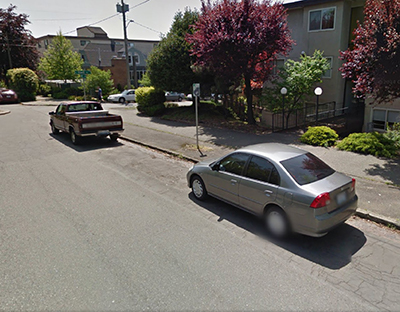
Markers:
{"x": 122, "y": 8}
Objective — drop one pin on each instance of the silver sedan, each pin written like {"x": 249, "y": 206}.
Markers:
{"x": 290, "y": 188}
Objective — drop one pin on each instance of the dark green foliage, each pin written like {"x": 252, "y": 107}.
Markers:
{"x": 169, "y": 64}
{"x": 24, "y": 82}
{"x": 320, "y": 136}
{"x": 150, "y": 101}
{"x": 373, "y": 143}
{"x": 44, "y": 89}
{"x": 66, "y": 93}
{"x": 393, "y": 133}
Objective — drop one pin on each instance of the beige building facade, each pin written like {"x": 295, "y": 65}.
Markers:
{"x": 325, "y": 25}
{"x": 97, "y": 49}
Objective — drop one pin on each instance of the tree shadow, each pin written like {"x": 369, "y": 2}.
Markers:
{"x": 333, "y": 251}
{"x": 388, "y": 171}
{"x": 86, "y": 144}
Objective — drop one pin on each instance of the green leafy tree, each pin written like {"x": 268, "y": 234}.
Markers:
{"x": 99, "y": 78}
{"x": 169, "y": 64}
{"x": 298, "y": 77}
{"x": 60, "y": 61}
{"x": 17, "y": 45}
{"x": 145, "y": 81}
{"x": 25, "y": 82}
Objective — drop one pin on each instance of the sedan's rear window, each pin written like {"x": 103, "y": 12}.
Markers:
{"x": 307, "y": 168}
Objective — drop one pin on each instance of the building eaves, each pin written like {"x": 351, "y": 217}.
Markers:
{"x": 292, "y": 4}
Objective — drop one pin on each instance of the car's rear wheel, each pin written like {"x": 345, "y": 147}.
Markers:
{"x": 198, "y": 188}
{"x": 277, "y": 222}
{"x": 54, "y": 130}
{"x": 74, "y": 138}
{"x": 122, "y": 100}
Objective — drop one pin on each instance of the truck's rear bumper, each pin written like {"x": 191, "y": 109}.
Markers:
{"x": 101, "y": 133}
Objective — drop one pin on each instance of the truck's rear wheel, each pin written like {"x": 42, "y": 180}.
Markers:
{"x": 74, "y": 138}
{"x": 114, "y": 137}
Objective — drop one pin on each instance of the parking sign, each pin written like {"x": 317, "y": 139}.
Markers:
{"x": 196, "y": 89}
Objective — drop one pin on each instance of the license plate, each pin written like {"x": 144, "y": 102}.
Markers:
{"x": 341, "y": 198}
{"x": 103, "y": 133}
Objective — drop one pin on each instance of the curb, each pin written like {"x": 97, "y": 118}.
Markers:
{"x": 4, "y": 112}
{"x": 392, "y": 223}
{"x": 386, "y": 221}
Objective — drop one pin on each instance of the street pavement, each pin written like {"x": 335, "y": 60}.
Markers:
{"x": 378, "y": 179}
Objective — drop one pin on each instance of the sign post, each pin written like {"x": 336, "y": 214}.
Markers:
{"x": 196, "y": 93}
{"x": 83, "y": 74}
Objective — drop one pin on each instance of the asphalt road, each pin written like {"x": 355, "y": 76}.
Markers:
{"x": 113, "y": 226}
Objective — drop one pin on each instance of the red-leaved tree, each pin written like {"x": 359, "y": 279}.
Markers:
{"x": 240, "y": 40}
{"x": 373, "y": 60}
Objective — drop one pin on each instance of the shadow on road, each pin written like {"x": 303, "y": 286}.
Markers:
{"x": 333, "y": 251}
{"x": 87, "y": 143}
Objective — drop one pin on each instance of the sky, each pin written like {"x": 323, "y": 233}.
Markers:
{"x": 150, "y": 17}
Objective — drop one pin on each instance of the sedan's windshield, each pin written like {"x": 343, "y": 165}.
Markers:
{"x": 307, "y": 168}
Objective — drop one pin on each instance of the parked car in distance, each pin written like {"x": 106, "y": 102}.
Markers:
{"x": 189, "y": 97}
{"x": 86, "y": 118}
{"x": 8, "y": 96}
{"x": 126, "y": 96}
{"x": 174, "y": 96}
{"x": 291, "y": 189}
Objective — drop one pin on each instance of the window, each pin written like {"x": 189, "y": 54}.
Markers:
{"x": 381, "y": 118}
{"x": 262, "y": 170}
{"x": 83, "y": 42}
{"x": 136, "y": 59}
{"x": 328, "y": 73}
{"x": 278, "y": 66}
{"x": 307, "y": 168}
{"x": 322, "y": 19}
{"x": 233, "y": 163}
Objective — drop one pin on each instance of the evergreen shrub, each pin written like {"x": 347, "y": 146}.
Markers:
{"x": 373, "y": 143}
{"x": 320, "y": 136}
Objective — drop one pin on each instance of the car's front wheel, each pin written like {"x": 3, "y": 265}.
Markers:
{"x": 198, "y": 188}
{"x": 54, "y": 130}
{"x": 122, "y": 100}
{"x": 276, "y": 222}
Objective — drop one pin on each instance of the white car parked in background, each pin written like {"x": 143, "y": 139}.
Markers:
{"x": 125, "y": 96}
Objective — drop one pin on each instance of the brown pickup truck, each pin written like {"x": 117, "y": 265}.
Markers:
{"x": 85, "y": 119}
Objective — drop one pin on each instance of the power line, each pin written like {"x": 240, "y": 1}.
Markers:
{"x": 104, "y": 19}
{"x": 135, "y": 6}
{"x": 159, "y": 32}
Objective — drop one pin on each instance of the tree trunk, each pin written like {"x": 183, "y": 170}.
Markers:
{"x": 249, "y": 97}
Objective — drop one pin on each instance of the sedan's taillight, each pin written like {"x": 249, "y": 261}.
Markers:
{"x": 353, "y": 185}
{"x": 321, "y": 200}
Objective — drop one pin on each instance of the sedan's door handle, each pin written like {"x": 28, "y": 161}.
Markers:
{"x": 233, "y": 182}
{"x": 268, "y": 192}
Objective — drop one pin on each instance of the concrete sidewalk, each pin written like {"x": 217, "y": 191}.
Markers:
{"x": 378, "y": 179}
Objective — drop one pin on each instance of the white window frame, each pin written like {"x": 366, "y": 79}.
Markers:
{"x": 325, "y": 76}
{"x": 386, "y": 110}
{"x": 320, "y": 27}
